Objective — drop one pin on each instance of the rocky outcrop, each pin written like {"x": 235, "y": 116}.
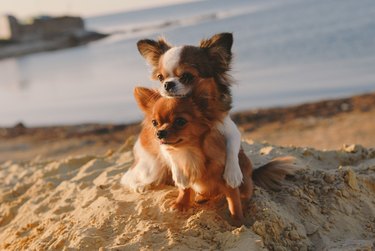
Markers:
{"x": 43, "y": 34}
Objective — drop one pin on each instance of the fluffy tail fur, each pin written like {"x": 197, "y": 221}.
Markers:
{"x": 271, "y": 175}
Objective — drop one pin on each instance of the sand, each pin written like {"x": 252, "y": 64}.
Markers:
{"x": 77, "y": 203}
{"x": 60, "y": 187}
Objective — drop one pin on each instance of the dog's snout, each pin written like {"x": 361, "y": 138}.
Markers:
{"x": 162, "y": 134}
{"x": 169, "y": 85}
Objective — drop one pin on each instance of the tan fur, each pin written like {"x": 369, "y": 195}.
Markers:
{"x": 271, "y": 175}
{"x": 152, "y": 50}
{"x": 196, "y": 153}
{"x": 210, "y": 61}
{"x": 219, "y": 50}
{"x": 197, "y": 150}
{"x": 202, "y": 143}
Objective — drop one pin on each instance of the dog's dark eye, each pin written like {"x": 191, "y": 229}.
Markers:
{"x": 180, "y": 122}
{"x": 160, "y": 77}
{"x": 186, "y": 77}
{"x": 154, "y": 123}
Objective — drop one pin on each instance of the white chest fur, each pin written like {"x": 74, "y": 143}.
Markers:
{"x": 185, "y": 165}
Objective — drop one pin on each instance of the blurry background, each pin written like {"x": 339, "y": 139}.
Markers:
{"x": 285, "y": 52}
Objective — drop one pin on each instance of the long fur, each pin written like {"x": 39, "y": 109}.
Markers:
{"x": 210, "y": 63}
{"x": 196, "y": 151}
{"x": 219, "y": 49}
{"x": 271, "y": 175}
{"x": 152, "y": 50}
{"x": 148, "y": 169}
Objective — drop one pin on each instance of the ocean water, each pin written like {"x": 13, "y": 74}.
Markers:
{"x": 285, "y": 52}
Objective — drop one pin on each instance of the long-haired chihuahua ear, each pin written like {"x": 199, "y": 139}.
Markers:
{"x": 152, "y": 50}
{"x": 146, "y": 98}
{"x": 221, "y": 40}
{"x": 219, "y": 49}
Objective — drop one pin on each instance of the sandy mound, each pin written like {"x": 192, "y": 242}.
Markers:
{"x": 78, "y": 203}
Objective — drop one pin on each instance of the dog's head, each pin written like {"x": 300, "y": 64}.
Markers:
{"x": 176, "y": 122}
{"x": 181, "y": 68}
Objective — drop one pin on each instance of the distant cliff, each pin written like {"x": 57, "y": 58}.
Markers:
{"x": 42, "y": 34}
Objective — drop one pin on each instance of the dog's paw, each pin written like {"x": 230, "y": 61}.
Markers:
{"x": 129, "y": 180}
{"x": 200, "y": 199}
{"x": 232, "y": 173}
{"x": 180, "y": 206}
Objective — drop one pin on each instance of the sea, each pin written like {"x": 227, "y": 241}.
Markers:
{"x": 285, "y": 52}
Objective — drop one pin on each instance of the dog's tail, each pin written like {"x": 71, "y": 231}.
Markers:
{"x": 271, "y": 175}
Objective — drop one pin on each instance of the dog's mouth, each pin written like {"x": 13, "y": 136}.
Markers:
{"x": 165, "y": 142}
{"x": 175, "y": 95}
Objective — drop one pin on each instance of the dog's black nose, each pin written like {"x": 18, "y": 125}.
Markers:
{"x": 162, "y": 134}
{"x": 169, "y": 85}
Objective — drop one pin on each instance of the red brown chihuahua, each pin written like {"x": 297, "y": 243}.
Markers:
{"x": 180, "y": 131}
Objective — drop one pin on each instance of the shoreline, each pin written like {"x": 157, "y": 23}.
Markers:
{"x": 316, "y": 124}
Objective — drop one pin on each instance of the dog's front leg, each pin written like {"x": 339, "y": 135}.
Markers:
{"x": 235, "y": 206}
{"x": 147, "y": 170}
{"x": 183, "y": 199}
{"x": 232, "y": 172}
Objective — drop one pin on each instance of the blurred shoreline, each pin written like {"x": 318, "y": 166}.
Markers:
{"x": 277, "y": 61}
{"x": 324, "y": 124}
{"x": 44, "y": 33}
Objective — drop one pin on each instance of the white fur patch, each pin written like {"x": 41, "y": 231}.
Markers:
{"x": 180, "y": 159}
{"x": 147, "y": 171}
{"x": 179, "y": 91}
{"x": 170, "y": 62}
{"x": 197, "y": 188}
{"x": 171, "y": 59}
{"x": 177, "y": 174}
{"x": 232, "y": 173}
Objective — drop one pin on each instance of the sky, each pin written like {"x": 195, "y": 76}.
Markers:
{"x": 27, "y": 8}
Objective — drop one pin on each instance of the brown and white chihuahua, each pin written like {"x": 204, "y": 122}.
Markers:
{"x": 181, "y": 133}
{"x": 183, "y": 70}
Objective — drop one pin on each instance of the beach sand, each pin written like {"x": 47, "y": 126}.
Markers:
{"x": 59, "y": 188}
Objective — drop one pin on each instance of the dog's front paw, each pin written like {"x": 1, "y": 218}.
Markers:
{"x": 180, "y": 206}
{"x": 200, "y": 199}
{"x": 232, "y": 173}
{"x": 131, "y": 181}
{"x": 236, "y": 222}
